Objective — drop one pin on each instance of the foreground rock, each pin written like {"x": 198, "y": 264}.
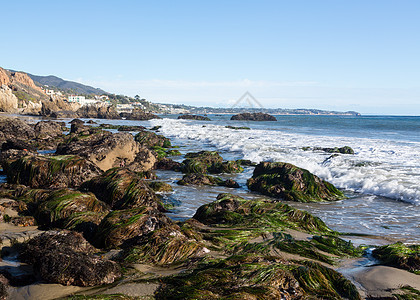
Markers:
{"x": 151, "y": 139}
{"x": 123, "y": 228}
{"x": 193, "y": 117}
{"x": 121, "y": 189}
{"x": 253, "y": 117}
{"x": 108, "y": 150}
{"x": 400, "y": 256}
{"x": 288, "y": 182}
{"x": 51, "y": 171}
{"x": 66, "y": 258}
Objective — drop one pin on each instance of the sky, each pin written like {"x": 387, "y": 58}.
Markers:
{"x": 323, "y": 54}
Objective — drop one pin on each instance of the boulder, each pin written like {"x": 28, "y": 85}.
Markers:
{"x": 51, "y": 171}
{"x": 121, "y": 189}
{"x": 131, "y": 128}
{"x": 123, "y": 228}
{"x": 342, "y": 150}
{"x": 253, "y": 117}
{"x": 49, "y": 129}
{"x": 288, "y": 182}
{"x": 65, "y": 257}
{"x": 234, "y": 211}
{"x": 64, "y": 204}
{"x": 160, "y": 186}
{"x": 168, "y": 164}
{"x": 193, "y": 117}
{"x": 108, "y": 150}
{"x": 16, "y": 129}
{"x": 150, "y": 139}
{"x": 4, "y": 285}
{"x": 203, "y": 179}
{"x": 209, "y": 162}
{"x": 139, "y": 114}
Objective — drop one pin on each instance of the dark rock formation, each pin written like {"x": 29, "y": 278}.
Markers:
{"x": 124, "y": 227}
{"x": 4, "y": 284}
{"x": 208, "y": 162}
{"x": 168, "y": 164}
{"x": 253, "y": 117}
{"x": 151, "y": 139}
{"x": 15, "y": 129}
{"x": 202, "y": 179}
{"x": 193, "y": 117}
{"x": 51, "y": 171}
{"x": 65, "y": 257}
{"x": 131, "y": 128}
{"x": 64, "y": 204}
{"x": 160, "y": 186}
{"x": 139, "y": 114}
{"x": 342, "y": 150}
{"x": 286, "y": 181}
{"x": 121, "y": 188}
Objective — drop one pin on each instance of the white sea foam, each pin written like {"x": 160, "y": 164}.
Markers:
{"x": 379, "y": 167}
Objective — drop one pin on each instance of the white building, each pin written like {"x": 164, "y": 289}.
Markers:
{"x": 82, "y": 100}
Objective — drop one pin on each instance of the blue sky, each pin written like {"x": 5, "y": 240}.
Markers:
{"x": 340, "y": 55}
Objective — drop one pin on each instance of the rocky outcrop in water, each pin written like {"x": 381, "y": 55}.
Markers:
{"x": 253, "y": 117}
{"x": 98, "y": 111}
{"x": 139, "y": 114}
{"x": 203, "y": 179}
{"x": 288, "y": 182}
{"x": 209, "y": 162}
{"x": 194, "y": 117}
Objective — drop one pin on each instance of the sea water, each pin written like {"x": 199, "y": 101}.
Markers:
{"x": 381, "y": 180}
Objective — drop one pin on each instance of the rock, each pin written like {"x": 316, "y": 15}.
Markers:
{"x": 55, "y": 106}
{"x": 10, "y": 155}
{"x": 66, "y": 258}
{"x": 401, "y": 256}
{"x": 23, "y": 78}
{"x": 139, "y": 114}
{"x": 160, "y": 186}
{"x": 208, "y": 162}
{"x": 49, "y": 129}
{"x": 342, "y": 150}
{"x": 8, "y": 101}
{"x": 253, "y": 117}
{"x": 51, "y": 171}
{"x": 98, "y": 111}
{"x": 17, "y": 145}
{"x": 122, "y": 228}
{"x": 77, "y": 121}
{"x": 109, "y": 150}
{"x": 202, "y": 179}
{"x": 168, "y": 164}
{"x": 16, "y": 129}
{"x": 150, "y": 139}
{"x": 4, "y": 77}
{"x": 64, "y": 204}
{"x": 131, "y": 128}
{"x": 167, "y": 245}
{"x": 288, "y": 182}
{"x": 86, "y": 222}
{"x": 238, "y": 128}
{"x": 4, "y": 284}
{"x": 121, "y": 188}
{"x": 194, "y": 117}
{"x": 91, "y": 122}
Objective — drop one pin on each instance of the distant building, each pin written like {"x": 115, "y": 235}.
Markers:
{"x": 82, "y": 100}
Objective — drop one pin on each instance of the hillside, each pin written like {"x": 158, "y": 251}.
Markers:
{"x": 65, "y": 85}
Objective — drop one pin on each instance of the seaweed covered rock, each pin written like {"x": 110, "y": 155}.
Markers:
{"x": 209, "y": 162}
{"x": 150, "y": 139}
{"x": 160, "y": 186}
{"x": 165, "y": 163}
{"x": 65, "y": 257}
{"x": 109, "y": 150}
{"x": 167, "y": 245}
{"x": 257, "y": 277}
{"x": 342, "y": 150}
{"x": 85, "y": 222}
{"x": 131, "y": 128}
{"x": 253, "y": 117}
{"x": 400, "y": 256}
{"x": 194, "y": 117}
{"x": 230, "y": 210}
{"x": 49, "y": 134}
{"x": 288, "y": 182}
{"x": 63, "y": 204}
{"x": 121, "y": 188}
{"x": 203, "y": 179}
{"x": 51, "y": 171}
{"x": 16, "y": 129}
{"x": 139, "y": 114}
{"x": 125, "y": 227}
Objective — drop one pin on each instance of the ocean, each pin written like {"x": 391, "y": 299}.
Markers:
{"x": 381, "y": 180}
